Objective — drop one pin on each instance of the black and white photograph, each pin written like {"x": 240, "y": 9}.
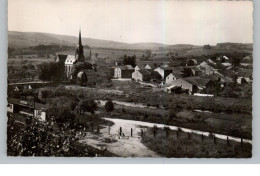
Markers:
{"x": 130, "y": 78}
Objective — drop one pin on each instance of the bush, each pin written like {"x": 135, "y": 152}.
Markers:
{"x": 109, "y": 106}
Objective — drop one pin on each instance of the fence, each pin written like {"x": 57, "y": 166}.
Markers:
{"x": 168, "y": 133}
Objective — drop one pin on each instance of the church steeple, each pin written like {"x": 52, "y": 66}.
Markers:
{"x": 80, "y": 51}
{"x": 80, "y": 44}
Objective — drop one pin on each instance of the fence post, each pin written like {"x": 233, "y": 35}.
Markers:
{"x": 227, "y": 140}
{"x": 177, "y": 134}
{"x": 154, "y": 132}
{"x": 189, "y": 135}
{"x": 166, "y": 133}
{"x": 109, "y": 130}
{"x": 202, "y": 137}
{"x": 120, "y": 131}
{"x": 142, "y": 133}
{"x": 131, "y": 132}
{"x": 214, "y": 139}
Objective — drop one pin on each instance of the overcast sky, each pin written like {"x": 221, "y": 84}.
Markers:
{"x": 132, "y": 21}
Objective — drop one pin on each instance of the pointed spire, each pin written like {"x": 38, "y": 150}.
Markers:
{"x": 80, "y": 44}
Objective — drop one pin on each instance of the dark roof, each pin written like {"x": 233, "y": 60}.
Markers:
{"x": 140, "y": 66}
{"x": 144, "y": 72}
{"x": 123, "y": 67}
{"x": 151, "y": 65}
{"x": 197, "y": 81}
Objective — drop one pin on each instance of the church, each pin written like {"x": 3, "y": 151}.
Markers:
{"x": 70, "y": 60}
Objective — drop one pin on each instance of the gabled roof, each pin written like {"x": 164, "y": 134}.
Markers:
{"x": 197, "y": 81}
{"x": 129, "y": 67}
{"x": 70, "y": 59}
{"x": 140, "y": 66}
{"x": 175, "y": 75}
{"x": 205, "y": 65}
{"x": 125, "y": 67}
{"x": 144, "y": 72}
{"x": 149, "y": 65}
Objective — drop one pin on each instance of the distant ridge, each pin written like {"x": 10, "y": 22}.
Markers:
{"x": 27, "y": 39}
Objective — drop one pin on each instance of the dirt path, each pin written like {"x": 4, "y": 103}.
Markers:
{"x": 122, "y": 146}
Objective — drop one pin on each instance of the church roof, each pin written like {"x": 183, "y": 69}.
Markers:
{"x": 70, "y": 59}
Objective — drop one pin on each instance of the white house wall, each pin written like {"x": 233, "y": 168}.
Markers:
{"x": 183, "y": 84}
{"x": 160, "y": 71}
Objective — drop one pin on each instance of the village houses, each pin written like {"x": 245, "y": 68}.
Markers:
{"x": 124, "y": 72}
{"x": 163, "y": 71}
{"x": 141, "y": 75}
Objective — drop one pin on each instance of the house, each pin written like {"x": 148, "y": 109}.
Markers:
{"x": 155, "y": 76}
{"x": 185, "y": 85}
{"x": 139, "y": 67}
{"x": 123, "y": 71}
{"x": 206, "y": 68}
{"x": 141, "y": 75}
{"x": 171, "y": 77}
{"x": 191, "y": 71}
{"x": 163, "y": 71}
{"x": 198, "y": 83}
{"x": 28, "y": 108}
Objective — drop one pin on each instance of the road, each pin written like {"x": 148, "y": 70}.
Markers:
{"x": 126, "y": 146}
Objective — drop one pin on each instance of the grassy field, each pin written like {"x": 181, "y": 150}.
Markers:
{"x": 24, "y": 69}
{"x": 233, "y": 119}
{"x": 109, "y": 54}
{"x": 234, "y": 125}
{"x": 182, "y": 145}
